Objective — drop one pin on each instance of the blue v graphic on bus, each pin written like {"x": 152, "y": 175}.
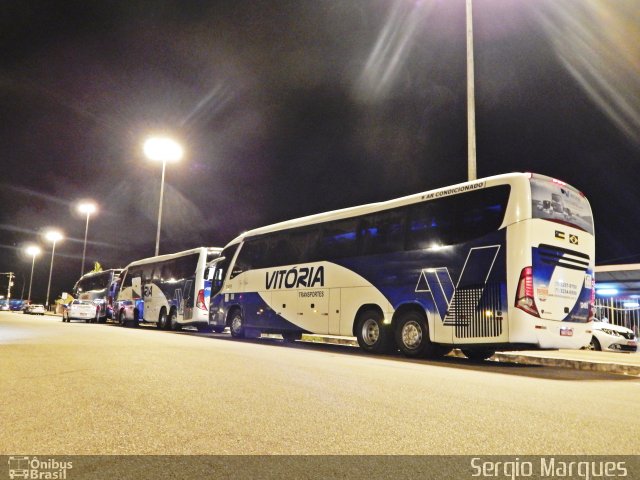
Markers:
{"x": 473, "y": 277}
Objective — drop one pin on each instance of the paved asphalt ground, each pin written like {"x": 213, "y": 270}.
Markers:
{"x": 102, "y": 389}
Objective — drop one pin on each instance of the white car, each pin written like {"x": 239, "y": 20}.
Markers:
{"x": 34, "y": 309}
{"x": 81, "y": 310}
{"x": 612, "y": 338}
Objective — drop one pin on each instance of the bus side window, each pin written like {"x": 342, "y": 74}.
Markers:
{"x": 302, "y": 246}
{"x": 249, "y": 257}
{"x": 339, "y": 239}
{"x": 383, "y": 232}
{"x": 423, "y": 225}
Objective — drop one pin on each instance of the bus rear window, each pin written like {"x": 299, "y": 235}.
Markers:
{"x": 559, "y": 203}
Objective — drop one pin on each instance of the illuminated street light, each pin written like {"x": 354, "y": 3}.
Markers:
{"x": 34, "y": 251}
{"x": 52, "y": 236}
{"x": 87, "y": 208}
{"x": 164, "y": 150}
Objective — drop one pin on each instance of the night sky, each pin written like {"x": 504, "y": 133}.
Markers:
{"x": 288, "y": 108}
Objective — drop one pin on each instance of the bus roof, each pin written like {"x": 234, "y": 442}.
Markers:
{"x": 171, "y": 256}
{"x": 388, "y": 204}
{"x": 91, "y": 274}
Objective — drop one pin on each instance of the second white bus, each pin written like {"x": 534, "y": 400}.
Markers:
{"x": 170, "y": 291}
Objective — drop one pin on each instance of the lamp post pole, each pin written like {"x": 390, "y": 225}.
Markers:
{"x": 84, "y": 248}
{"x": 471, "y": 103}
{"x": 164, "y": 166}
{"x": 33, "y": 251}
{"x": 53, "y": 237}
{"x": 87, "y": 208}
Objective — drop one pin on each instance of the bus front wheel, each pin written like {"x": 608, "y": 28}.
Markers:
{"x": 372, "y": 334}
{"x": 237, "y": 324}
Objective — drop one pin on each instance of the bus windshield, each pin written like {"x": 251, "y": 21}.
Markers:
{"x": 560, "y": 203}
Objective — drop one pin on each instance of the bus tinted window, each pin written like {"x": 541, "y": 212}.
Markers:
{"x": 178, "y": 268}
{"x": 132, "y": 273}
{"x": 97, "y": 281}
{"x": 252, "y": 255}
{"x": 456, "y": 219}
{"x": 383, "y": 232}
{"x": 222, "y": 267}
{"x": 339, "y": 239}
{"x": 559, "y": 203}
{"x": 300, "y": 247}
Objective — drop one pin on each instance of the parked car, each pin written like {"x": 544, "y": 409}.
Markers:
{"x": 17, "y": 305}
{"x": 34, "y": 309}
{"x": 612, "y": 338}
{"x": 81, "y": 310}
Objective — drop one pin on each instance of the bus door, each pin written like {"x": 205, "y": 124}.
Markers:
{"x": 137, "y": 295}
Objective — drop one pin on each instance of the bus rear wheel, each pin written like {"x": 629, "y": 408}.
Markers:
{"x": 372, "y": 334}
{"x": 412, "y": 336}
{"x": 236, "y": 325}
{"x": 173, "y": 321}
{"x": 163, "y": 320}
{"x": 290, "y": 337}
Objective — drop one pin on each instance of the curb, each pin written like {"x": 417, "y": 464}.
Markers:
{"x": 512, "y": 357}
{"x": 586, "y": 365}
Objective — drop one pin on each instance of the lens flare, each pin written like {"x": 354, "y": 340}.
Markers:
{"x": 598, "y": 42}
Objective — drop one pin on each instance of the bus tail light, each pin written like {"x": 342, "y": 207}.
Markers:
{"x": 524, "y": 295}
{"x": 200, "y": 302}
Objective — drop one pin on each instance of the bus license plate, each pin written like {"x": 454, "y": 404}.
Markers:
{"x": 566, "y": 332}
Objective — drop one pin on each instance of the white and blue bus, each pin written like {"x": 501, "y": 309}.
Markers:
{"x": 99, "y": 288}
{"x": 170, "y": 291}
{"x": 500, "y": 263}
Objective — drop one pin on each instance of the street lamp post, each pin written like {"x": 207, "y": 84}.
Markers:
{"x": 88, "y": 208}
{"x": 164, "y": 150}
{"x": 33, "y": 250}
{"x": 471, "y": 102}
{"x": 53, "y": 236}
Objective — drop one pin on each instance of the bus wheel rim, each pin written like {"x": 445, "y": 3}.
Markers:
{"x": 236, "y": 324}
{"x": 370, "y": 332}
{"x": 411, "y": 335}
